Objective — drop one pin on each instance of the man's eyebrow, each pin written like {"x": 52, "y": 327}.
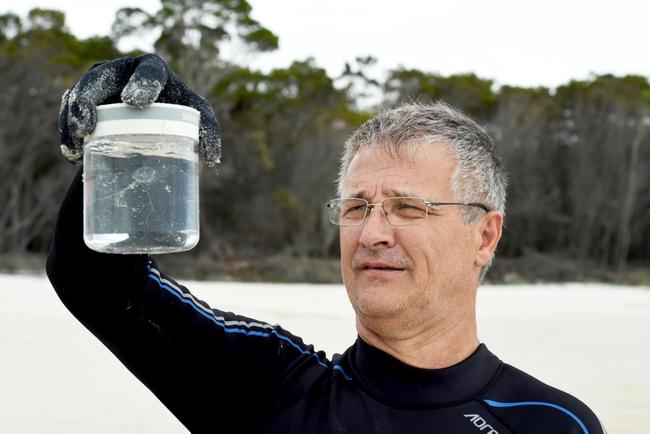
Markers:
{"x": 401, "y": 193}
{"x": 360, "y": 195}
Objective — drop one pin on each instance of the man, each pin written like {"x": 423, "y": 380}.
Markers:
{"x": 422, "y": 196}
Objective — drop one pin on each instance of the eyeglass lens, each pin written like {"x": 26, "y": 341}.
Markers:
{"x": 400, "y": 211}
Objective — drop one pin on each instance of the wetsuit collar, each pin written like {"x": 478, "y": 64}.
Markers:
{"x": 400, "y": 385}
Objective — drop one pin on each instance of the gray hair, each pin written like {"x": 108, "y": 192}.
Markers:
{"x": 478, "y": 176}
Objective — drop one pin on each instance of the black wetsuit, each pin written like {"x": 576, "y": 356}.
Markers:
{"x": 223, "y": 373}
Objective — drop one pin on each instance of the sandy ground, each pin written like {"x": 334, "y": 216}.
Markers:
{"x": 55, "y": 377}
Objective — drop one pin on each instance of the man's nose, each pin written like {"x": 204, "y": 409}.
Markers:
{"x": 376, "y": 231}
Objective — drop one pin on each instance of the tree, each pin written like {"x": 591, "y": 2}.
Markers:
{"x": 522, "y": 127}
{"x": 466, "y": 92}
{"x": 191, "y": 34}
{"x": 606, "y": 122}
{"x": 10, "y": 26}
{"x": 286, "y": 129}
{"x": 38, "y": 61}
{"x": 358, "y": 83}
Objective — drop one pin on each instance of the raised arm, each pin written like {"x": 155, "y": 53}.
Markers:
{"x": 212, "y": 369}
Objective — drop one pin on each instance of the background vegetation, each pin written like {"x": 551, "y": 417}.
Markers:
{"x": 578, "y": 156}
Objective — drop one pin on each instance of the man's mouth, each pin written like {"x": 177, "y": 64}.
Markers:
{"x": 379, "y": 267}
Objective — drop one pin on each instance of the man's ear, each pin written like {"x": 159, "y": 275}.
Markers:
{"x": 489, "y": 233}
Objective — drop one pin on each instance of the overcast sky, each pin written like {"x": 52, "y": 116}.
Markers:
{"x": 511, "y": 41}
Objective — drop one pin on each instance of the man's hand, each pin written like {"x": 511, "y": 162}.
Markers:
{"x": 137, "y": 81}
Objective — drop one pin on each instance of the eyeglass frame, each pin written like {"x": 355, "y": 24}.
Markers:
{"x": 427, "y": 202}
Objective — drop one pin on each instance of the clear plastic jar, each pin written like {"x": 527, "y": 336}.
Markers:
{"x": 141, "y": 191}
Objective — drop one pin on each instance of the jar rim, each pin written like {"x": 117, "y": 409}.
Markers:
{"x": 158, "y": 118}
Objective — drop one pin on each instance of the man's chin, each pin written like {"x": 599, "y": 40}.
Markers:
{"x": 377, "y": 303}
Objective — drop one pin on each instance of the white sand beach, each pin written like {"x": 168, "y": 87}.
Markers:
{"x": 590, "y": 340}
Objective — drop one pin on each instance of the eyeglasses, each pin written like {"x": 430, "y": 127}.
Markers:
{"x": 399, "y": 211}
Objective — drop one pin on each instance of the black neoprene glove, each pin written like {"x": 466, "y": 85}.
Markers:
{"x": 137, "y": 81}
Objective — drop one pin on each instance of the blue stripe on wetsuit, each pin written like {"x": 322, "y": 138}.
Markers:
{"x": 544, "y": 404}
{"x": 226, "y": 329}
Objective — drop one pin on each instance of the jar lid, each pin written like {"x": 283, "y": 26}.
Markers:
{"x": 158, "y": 118}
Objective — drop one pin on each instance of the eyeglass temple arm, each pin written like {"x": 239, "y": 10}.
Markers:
{"x": 478, "y": 204}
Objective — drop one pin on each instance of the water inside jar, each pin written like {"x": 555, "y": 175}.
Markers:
{"x": 141, "y": 194}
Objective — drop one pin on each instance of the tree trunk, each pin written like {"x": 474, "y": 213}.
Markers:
{"x": 624, "y": 235}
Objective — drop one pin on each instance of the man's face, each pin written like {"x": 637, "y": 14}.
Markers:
{"x": 413, "y": 274}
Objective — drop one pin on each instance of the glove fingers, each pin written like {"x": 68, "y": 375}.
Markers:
{"x": 70, "y": 150}
{"x": 147, "y": 81}
{"x": 177, "y": 92}
{"x": 98, "y": 85}
{"x": 209, "y": 134}
{"x": 138, "y": 82}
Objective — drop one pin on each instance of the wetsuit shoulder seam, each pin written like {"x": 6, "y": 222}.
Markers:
{"x": 501, "y": 421}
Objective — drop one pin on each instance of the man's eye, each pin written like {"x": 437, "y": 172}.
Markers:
{"x": 352, "y": 210}
{"x": 409, "y": 206}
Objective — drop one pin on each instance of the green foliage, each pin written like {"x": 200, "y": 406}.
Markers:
{"x": 629, "y": 92}
{"x": 285, "y": 131}
{"x": 46, "y": 19}
{"x": 10, "y": 26}
{"x": 467, "y": 92}
{"x": 196, "y": 26}
{"x": 45, "y": 40}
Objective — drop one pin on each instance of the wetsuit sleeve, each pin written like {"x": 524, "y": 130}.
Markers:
{"x": 216, "y": 371}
